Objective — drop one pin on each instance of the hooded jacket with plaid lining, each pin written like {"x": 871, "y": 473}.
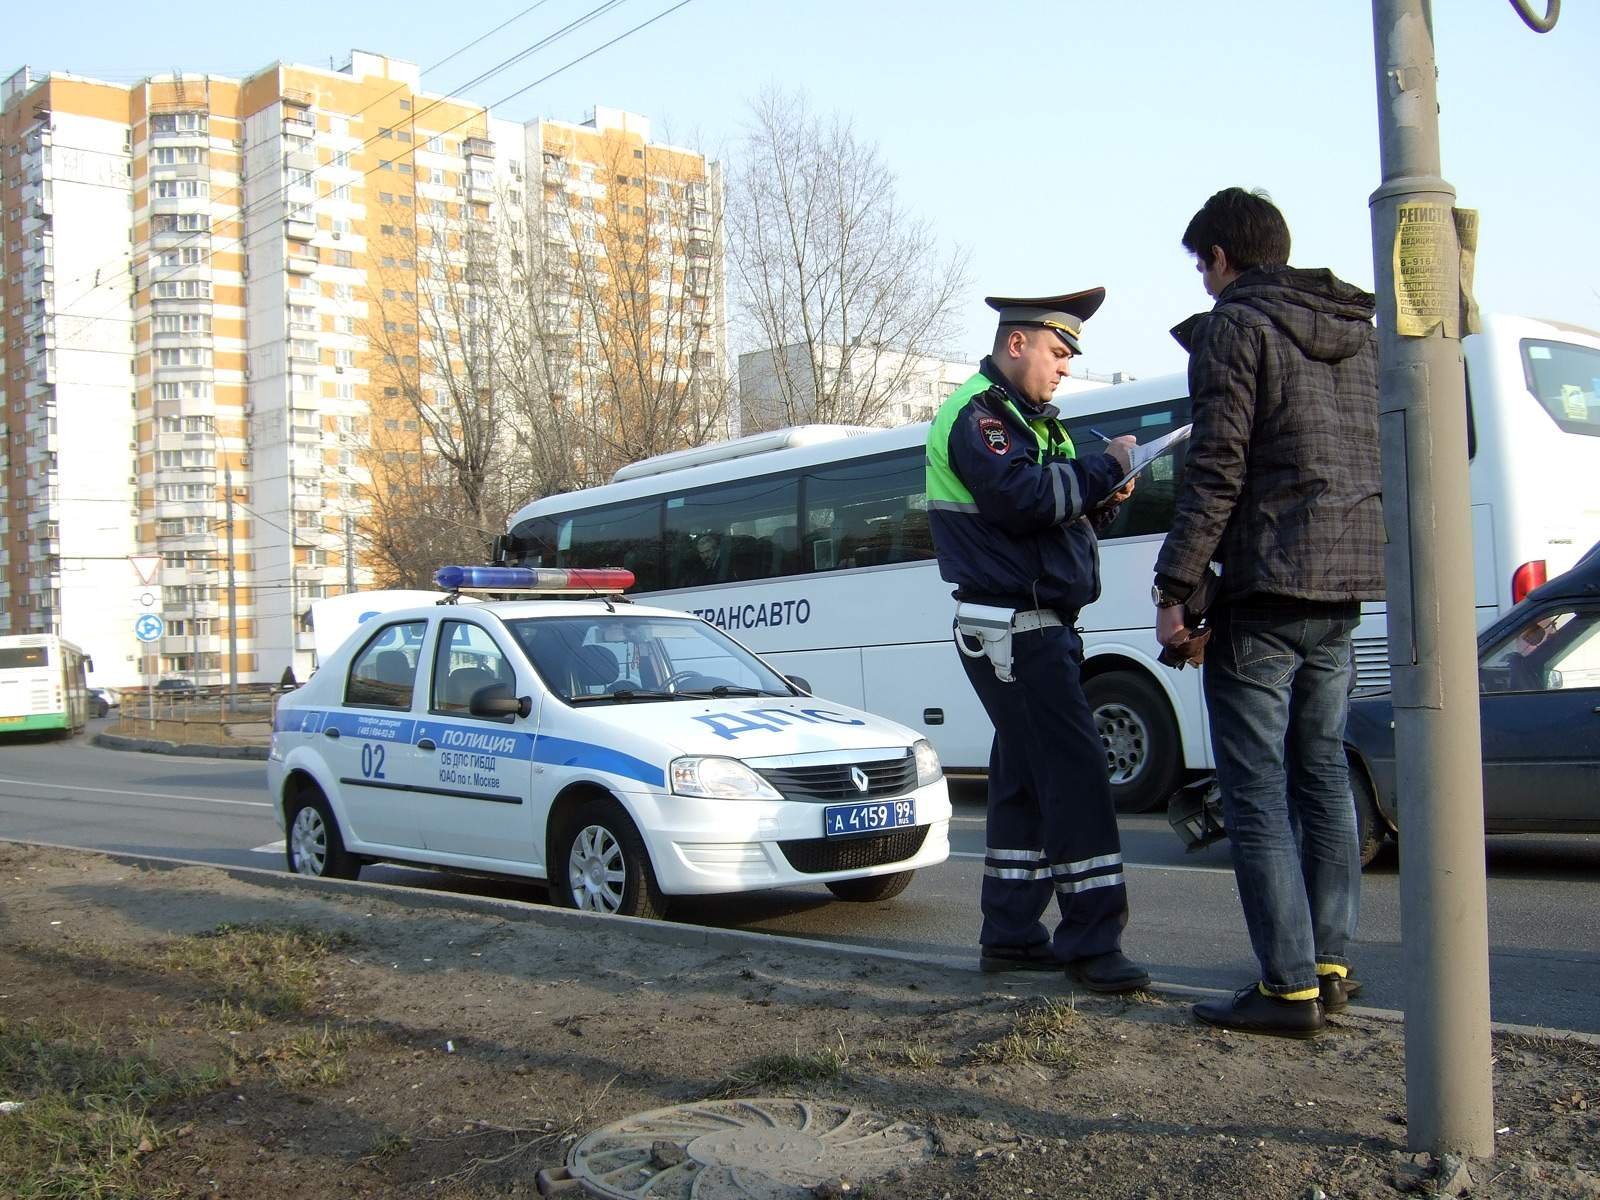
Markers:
{"x": 1011, "y": 505}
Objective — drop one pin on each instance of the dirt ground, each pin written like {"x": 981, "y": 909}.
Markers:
{"x": 184, "y": 1032}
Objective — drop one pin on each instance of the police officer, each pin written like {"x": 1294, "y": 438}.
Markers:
{"x": 1013, "y": 511}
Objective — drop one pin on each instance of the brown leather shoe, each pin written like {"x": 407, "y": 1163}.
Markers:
{"x": 1337, "y": 991}
{"x": 1253, "y": 1011}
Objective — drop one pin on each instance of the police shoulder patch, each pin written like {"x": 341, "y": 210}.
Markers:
{"x": 994, "y": 435}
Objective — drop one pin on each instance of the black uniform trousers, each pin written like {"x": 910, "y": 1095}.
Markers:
{"x": 1052, "y": 824}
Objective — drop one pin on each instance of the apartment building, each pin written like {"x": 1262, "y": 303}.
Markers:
{"x": 224, "y": 301}
{"x": 884, "y": 387}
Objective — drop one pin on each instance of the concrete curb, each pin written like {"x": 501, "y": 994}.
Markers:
{"x": 115, "y": 741}
{"x": 733, "y": 941}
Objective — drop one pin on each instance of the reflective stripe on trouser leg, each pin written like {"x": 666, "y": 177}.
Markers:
{"x": 1048, "y": 787}
{"x": 1016, "y": 876}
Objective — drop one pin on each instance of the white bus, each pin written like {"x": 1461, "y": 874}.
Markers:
{"x": 819, "y": 556}
{"x": 43, "y": 684}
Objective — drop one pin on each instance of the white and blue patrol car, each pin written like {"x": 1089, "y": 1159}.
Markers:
{"x": 625, "y": 754}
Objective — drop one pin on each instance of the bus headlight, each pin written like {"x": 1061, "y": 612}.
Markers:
{"x": 929, "y": 769}
{"x": 719, "y": 779}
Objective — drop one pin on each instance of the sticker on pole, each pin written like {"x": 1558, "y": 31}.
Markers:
{"x": 148, "y": 627}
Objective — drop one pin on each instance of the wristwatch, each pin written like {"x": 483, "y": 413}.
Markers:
{"x": 1162, "y": 599}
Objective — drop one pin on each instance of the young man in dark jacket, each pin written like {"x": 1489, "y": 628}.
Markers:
{"x": 1012, "y": 507}
{"x": 1282, "y": 488}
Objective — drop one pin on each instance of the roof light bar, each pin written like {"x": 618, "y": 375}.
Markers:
{"x": 586, "y": 580}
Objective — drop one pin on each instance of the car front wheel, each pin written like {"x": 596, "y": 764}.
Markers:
{"x": 601, "y": 865}
{"x": 874, "y": 887}
{"x": 314, "y": 845}
{"x": 1371, "y": 830}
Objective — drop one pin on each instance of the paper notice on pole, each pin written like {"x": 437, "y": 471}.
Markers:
{"x": 1426, "y": 262}
{"x": 1435, "y": 254}
{"x": 1147, "y": 452}
{"x": 1467, "y": 238}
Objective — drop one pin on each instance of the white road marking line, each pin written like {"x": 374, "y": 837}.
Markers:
{"x": 270, "y": 848}
{"x": 77, "y": 787}
{"x": 1134, "y": 865}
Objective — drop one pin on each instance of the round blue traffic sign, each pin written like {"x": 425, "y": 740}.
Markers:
{"x": 148, "y": 627}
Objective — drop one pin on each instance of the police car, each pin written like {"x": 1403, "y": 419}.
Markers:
{"x": 625, "y": 754}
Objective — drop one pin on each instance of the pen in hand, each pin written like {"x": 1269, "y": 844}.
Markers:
{"x": 1102, "y": 436}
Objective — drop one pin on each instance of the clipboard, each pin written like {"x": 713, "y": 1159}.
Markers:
{"x": 1147, "y": 452}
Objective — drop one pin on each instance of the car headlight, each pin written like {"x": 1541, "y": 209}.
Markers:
{"x": 929, "y": 769}
{"x": 719, "y": 779}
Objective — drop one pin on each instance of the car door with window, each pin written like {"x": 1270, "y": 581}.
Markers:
{"x": 476, "y": 771}
{"x": 368, "y": 740}
{"x": 1541, "y": 719}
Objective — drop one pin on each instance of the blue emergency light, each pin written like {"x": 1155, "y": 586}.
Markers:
{"x": 588, "y": 580}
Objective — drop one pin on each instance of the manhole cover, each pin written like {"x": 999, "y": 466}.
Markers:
{"x": 741, "y": 1149}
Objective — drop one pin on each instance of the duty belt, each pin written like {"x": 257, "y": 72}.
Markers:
{"x": 1027, "y": 620}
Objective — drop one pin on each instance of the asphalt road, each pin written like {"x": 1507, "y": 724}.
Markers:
{"x": 1544, "y": 892}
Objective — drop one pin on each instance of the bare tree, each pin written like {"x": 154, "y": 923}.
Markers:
{"x": 444, "y": 458}
{"x": 844, "y": 285}
{"x": 533, "y": 347}
{"x": 632, "y": 324}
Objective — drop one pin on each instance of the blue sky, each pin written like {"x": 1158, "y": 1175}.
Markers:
{"x": 1065, "y": 143}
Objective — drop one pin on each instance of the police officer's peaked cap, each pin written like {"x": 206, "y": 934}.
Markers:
{"x": 1064, "y": 314}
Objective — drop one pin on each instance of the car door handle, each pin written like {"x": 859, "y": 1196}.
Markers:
{"x": 333, "y": 733}
{"x": 427, "y": 744}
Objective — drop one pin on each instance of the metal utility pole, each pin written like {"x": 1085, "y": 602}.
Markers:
{"x": 1432, "y": 636}
{"x": 233, "y": 608}
{"x": 349, "y": 552}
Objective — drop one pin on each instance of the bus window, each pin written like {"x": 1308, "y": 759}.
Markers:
{"x": 621, "y": 535}
{"x": 1565, "y": 378}
{"x": 1154, "y": 499}
{"x": 732, "y": 531}
{"x": 867, "y": 512}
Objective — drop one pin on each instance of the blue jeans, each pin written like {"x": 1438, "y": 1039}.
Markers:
{"x": 1277, "y": 681}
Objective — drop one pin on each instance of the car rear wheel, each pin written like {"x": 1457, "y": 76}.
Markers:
{"x": 601, "y": 865}
{"x": 874, "y": 887}
{"x": 314, "y": 845}
{"x": 1140, "y": 739}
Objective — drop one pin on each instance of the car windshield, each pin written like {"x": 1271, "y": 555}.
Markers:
{"x": 622, "y": 658}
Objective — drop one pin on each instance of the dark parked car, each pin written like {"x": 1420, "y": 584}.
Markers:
{"x": 1539, "y": 687}
{"x": 174, "y": 688}
{"x": 99, "y": 702}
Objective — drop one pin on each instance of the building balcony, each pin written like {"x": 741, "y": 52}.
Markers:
{"x": 300, "y": 158}
{"x": 296, "y": 125}
{"x": 299, "y": 230}
{"x": 300, "y": 264}
{"x": 197, "y": 610}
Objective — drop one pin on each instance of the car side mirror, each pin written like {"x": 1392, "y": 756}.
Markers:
{"x": 801, "y": 682}
{"x": 497, "y": 700}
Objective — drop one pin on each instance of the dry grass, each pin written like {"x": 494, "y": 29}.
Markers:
{"x": 1041, "y": 1035}
{"x": 84, "y": 1123}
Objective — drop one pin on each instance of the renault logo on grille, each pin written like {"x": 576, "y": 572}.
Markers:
{"x": 859, "y": 778}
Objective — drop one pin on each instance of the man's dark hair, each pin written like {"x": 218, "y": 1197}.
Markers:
{"x": 1247, "y": 225}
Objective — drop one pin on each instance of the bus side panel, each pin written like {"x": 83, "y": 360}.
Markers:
{"x": 902, "y": 682}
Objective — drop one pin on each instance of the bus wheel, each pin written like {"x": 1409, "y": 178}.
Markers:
{"x": 1139, "y": 736}
{"x": 873, "y": 887}
{"x": 314, "y": 845}
{"x": 600, "y": 864}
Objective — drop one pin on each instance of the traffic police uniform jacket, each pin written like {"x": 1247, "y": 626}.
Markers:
{"x": 1010, "y": 503}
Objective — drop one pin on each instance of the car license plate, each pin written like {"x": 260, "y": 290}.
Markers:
{"x": 873, "y": 816}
